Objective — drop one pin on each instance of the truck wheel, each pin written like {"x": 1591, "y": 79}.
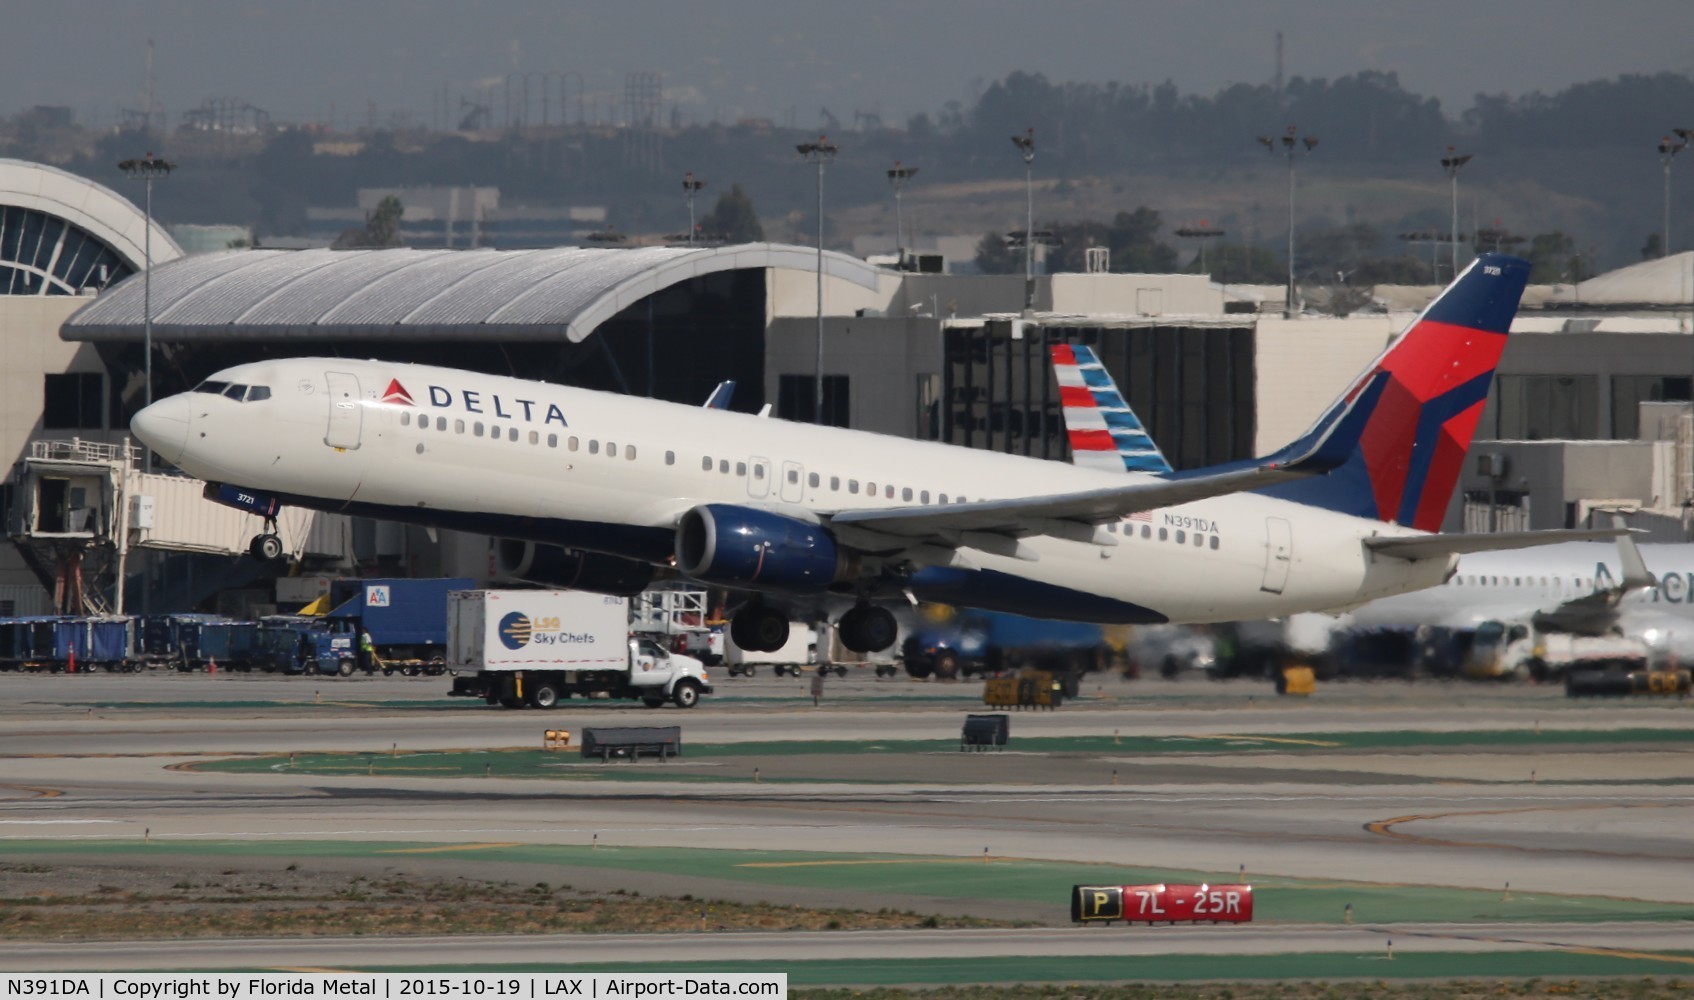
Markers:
{"x": 652, "y": 702}
{"x": 918, "y": 669}
{"x": 510, "y": 701}
{"x": 946, "y": 667}
{"x": 841, "y": 671}
{"x": 780, "y": 670}
{"x": 543, "y": 696}
{"x": 344, "y": 668}
{"x": 686, "y": 694}
{"x": 749, "y": 670}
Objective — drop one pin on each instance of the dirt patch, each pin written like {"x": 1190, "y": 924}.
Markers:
{"x": 92, "y": 901}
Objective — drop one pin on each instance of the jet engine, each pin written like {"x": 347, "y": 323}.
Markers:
{"x": 552, "y": 566}
{"x": 745, "y": 546}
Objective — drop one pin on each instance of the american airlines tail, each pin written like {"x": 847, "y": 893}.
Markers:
{"x": 1398, "y": 435}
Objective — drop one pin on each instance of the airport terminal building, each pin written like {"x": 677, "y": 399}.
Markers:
{"x": 1590, "y": 409}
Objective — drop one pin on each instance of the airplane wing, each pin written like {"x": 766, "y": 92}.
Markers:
{"x": 1458, "y": 544}
{"x": 1064, "y": 515}
{"x": 1596, "y": 613}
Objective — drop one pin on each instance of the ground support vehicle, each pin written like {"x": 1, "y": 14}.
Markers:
{"x": 534, "y": 648}
{"x": 300, "y": 644}
{"x": 394, "y": 625}
{"x": 965, "y": 643}
{"x": 198, "y": 642}
{"x": 62, "y": 643}
{"x": 1501, "y": 651}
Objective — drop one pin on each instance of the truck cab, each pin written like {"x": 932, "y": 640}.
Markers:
{"x": 662, "y": 676}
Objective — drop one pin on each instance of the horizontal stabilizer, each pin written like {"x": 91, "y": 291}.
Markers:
{"x": 1433, "y": 546}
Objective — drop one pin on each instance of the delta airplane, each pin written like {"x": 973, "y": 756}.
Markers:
{"x": 1641, "y": 593}
{"x": 599, "y": 489}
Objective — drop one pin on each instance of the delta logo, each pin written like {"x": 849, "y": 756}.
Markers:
{"x": 396, "y": 393}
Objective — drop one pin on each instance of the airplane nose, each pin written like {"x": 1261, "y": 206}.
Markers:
{"x": 163, "y": 427}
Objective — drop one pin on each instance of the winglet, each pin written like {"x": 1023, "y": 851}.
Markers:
{"x": 1104, "y": 432}
{"x": 1636, "y": 576}
{"x": 721, "y": 395}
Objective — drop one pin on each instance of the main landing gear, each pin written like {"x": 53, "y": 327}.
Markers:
{"x": 759, "y": 628}
{"x": 268, "y": 546}
{"x": 868, "y": 629}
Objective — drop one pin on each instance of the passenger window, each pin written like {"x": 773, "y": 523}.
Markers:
{"x": 1214, "y": 543}
{"x": 758, "y": 472}
{"x": 629, "y": 452}
{"x": 1146, "y": 532}
{"x": 1180, "y": 536}
{"x": 261, "y": 392}
{"x": 706, "y": 464}
{"x": 552, "y": 440}
{"x": 835, "y": 483}
{"x": 670, "y": 458}
{"x": 812, "y": 480}
{"x": 1163, "y": 534}
{"x": 870, "y": 489}
{"x": 1199, "y": 540}
{"x": 741, "y": 468}
{"x": 440, "y": 423}
{"x": 593, "y": 446}
{"x": 888, "y": 491}
{"x": 511, "y": 433}
{"x": 476, "y": 428}
{"x": 611, "y": 450}
{"x": 943, "y": 498}
{"x": 852, "y": 486}
{"x": 534, "y": 437}
{"x": 794, "y": 476}
{"x": 406, "y": 418}
{"x": 459, "y": 427}
{"x": 906, "y": 494}
{"x": 571, "y": 443}
{"x": 723, "y": 466}
{"x": 494, "y": 431}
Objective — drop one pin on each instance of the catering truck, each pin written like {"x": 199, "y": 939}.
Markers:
{"x": 517, "y": 648}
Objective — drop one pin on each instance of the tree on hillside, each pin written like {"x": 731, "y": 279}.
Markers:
{"x": 733, "y": 219}
{"x": 994, "y": 255}
{"x": 381, "y": 228}
{"x": 1553, "y": 258}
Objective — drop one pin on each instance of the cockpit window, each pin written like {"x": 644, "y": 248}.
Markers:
{"x": 235, "y": 392}
{"x": 258, "y": 392}
{"x": 215, "y": 388}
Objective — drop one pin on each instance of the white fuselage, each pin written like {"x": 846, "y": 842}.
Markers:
{"x": 614, "y": 473}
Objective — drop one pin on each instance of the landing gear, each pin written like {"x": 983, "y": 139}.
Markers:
{"x": 268, "y": 546}
{"x": 868, "y": 629}
{"x": 759, "y": 629}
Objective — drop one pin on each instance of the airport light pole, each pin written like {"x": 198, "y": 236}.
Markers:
{"x": 691, "y": 186}
{"x": 820, "y": 152}
{"x": 1291, "y": 141}
{"x": 898, "y": 175}
{"x": 1026, "y": 146}
{"x": 1668, "y": 148}
{"x": 146, "y": 168}
{"x": 1687, "y": 136}
{"x": 1453, "y": 163}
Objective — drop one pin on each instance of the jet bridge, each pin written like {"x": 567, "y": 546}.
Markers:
{"x": 78, "y": 511}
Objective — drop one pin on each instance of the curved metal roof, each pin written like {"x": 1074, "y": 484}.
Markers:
{"x": 419, "y": 294}
{"x": 94, "y": 208}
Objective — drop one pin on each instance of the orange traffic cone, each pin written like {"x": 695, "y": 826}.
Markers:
{"x": 70, "y": 667}
{"x": 212, "y": 665}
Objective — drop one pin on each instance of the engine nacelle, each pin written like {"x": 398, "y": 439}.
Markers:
{"x": 746, "y": 546}
{"x": 552, "y": 566}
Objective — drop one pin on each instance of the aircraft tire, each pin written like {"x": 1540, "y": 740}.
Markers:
{"x": 265, "y": 548}
{"x": 946, "y": 667}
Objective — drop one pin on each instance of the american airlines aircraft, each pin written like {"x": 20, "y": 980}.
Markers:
{"x": 598, "y": 489}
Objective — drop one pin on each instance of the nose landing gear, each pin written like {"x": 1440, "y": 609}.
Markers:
{"x": 268, "y": 546}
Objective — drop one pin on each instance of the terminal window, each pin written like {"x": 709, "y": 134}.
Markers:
{"x": 73, "y": 401}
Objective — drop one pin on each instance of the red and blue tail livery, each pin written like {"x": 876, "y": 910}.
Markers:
{"x": 1400, "y": 432}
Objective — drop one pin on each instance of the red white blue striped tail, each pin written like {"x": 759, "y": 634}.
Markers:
{"x": 1104, "y": 432}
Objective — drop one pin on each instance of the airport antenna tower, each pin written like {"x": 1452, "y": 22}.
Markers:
{"x": 1026, "y": 147}
{"x": 145, "y": 169}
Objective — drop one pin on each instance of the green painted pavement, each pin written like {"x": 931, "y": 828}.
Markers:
{"x": 992, "y": 882}
{"x": 1178, "y": 968}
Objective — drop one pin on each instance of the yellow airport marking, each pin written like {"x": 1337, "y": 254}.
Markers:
{"x": 449, "y": 847}
{"x": 1385, "y": 827}
{"x": 1260, "y": 739}
{"x": 1645, "y": 956}
{"x": 37, "y": 792}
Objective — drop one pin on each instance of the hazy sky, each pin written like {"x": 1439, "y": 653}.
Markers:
{"x": 723, "y": 59}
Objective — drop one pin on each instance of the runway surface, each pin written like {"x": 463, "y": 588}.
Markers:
{"x": 110, "y": 759}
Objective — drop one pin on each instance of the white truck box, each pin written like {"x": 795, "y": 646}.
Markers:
{"x": 566, "y": 630}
